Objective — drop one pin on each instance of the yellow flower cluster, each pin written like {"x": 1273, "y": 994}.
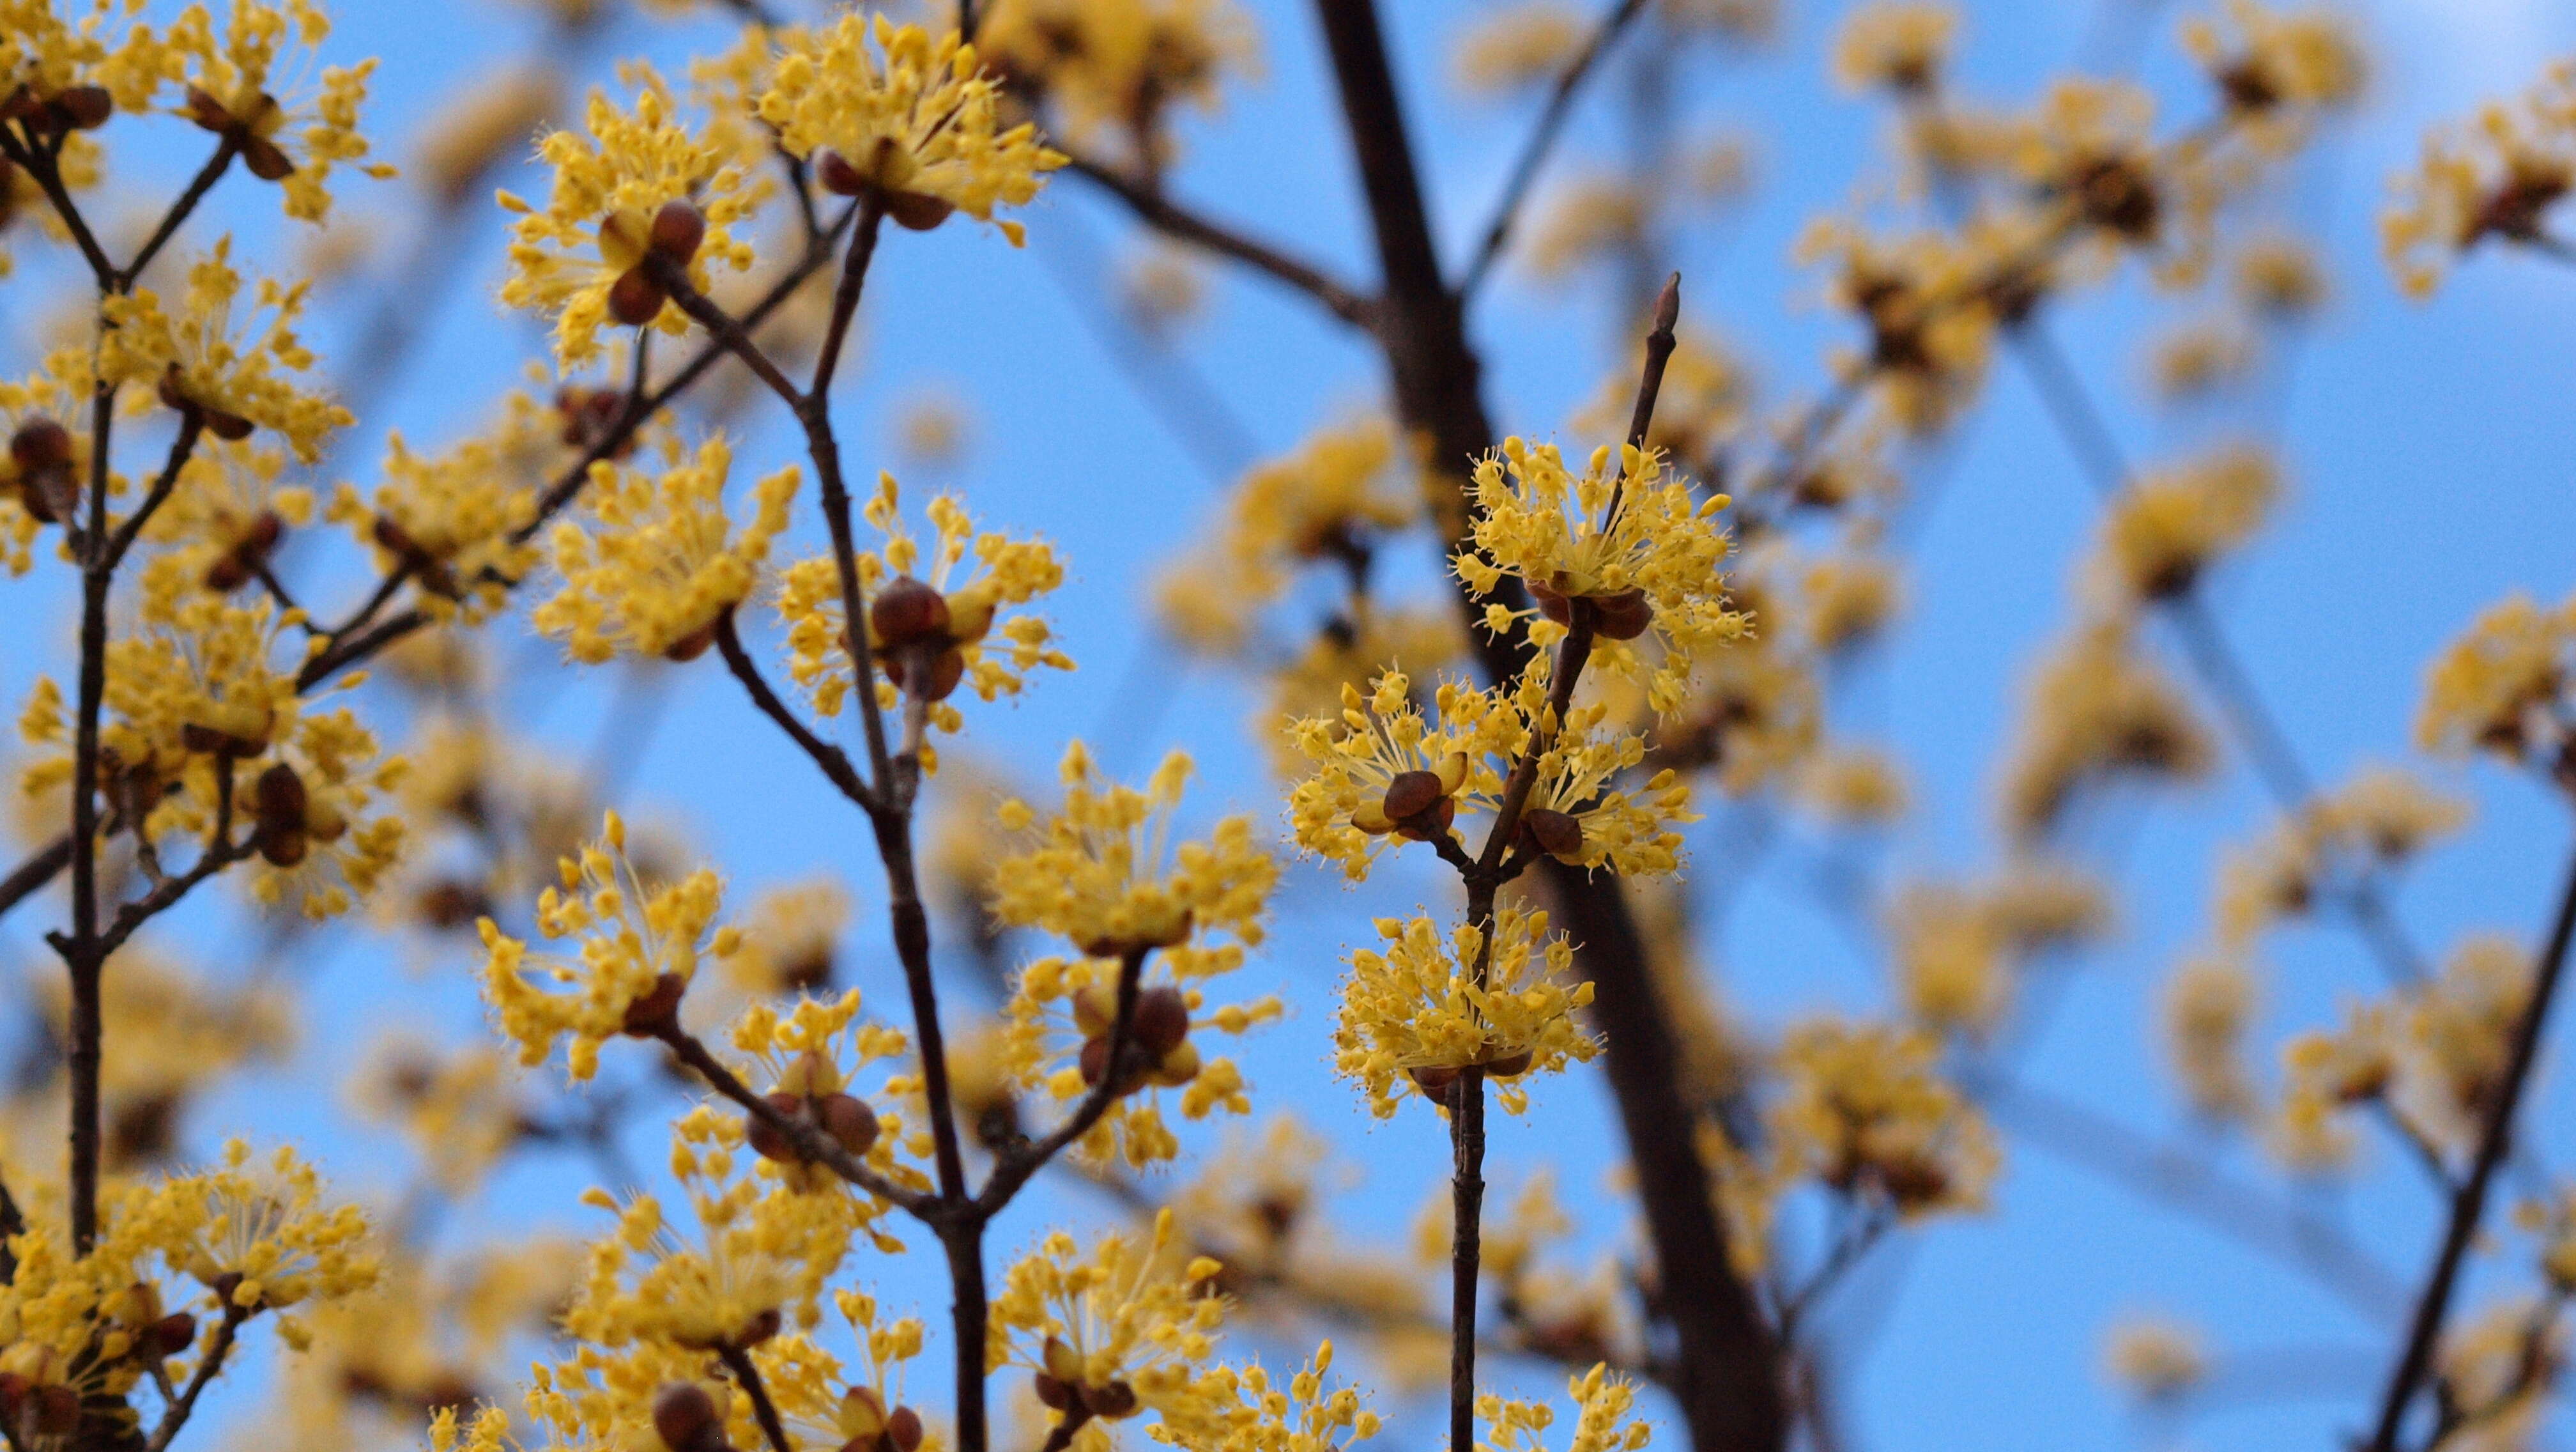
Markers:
{"x": 1327, "y": 502}
{"x": 2434, "y": 1056}
{"x": 966, "y": 629}
{"x": 2266, "y": 61}
{"x": 1502, "y": 1000}
{"x": 1602, "y": 1406}
{"x": 1899, "y": 45}
{"x": 2208, "y": 1010}
{"x": 1631, "y": 545}
{"x": 202, "y": 359}
{"x": 1103, "y": 874}
{"x": 2373, "y": 824}
{"x": 1116, "y": 1332}
{"x": 2498, "y": 178}
{"x": 2098, "y": 710}
{"x": 1261, "y": 1415}
{"x": 253, "y": 86}
{"x": 889, "y": 112}
{"x": 1386, "y": 770}
{"x": 1929, "y": 304}
{"x": 1865, "y": 1110}
{"x": 1957, "y": 950}
{"x": 1120, "y": 64}
{"x": 258, "y": 1235}
{"x": 2169, "y": 526}
{"x": 44, "y": 456}
{"x": 454, "y": 518}
{"x": 2501, "y": 687}
{"x": 660, "y": 562}
{"x": 638, "y": 184}
{"x": 766, "y": 1257}
{"x": 228, "y": 515}
{"x": 640, "y": 945}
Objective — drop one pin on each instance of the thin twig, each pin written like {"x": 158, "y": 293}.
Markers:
{"x": 2468, "y": 1204}
{"x": 763, "y": 1410}
{"x": 1173, "y": 220}
{"x": 809, "y": 1138}
{"x": 176, "y": 1414}
{"x": 1016, "y": 1164}
{"x": 834, "y": 762}
{"x": 1542, "y": 140}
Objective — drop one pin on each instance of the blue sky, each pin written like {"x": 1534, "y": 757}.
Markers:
{"x": 2425, "y": 448}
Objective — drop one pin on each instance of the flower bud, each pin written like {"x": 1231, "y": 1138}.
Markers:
{"x": 1111, "y": 1402}
{"x": 916, "y": 211}
{"x": 1434, "y": 1079}
{"x": 861, "y": 1416}
{"x": 1623, "y": 616}
{"x": 1162, "y": 1020}
{"x": 635, "y": 299}
{"x": 836, "y": 174}
{"x": 1555, "y": 833}
{"x": 678, "y": 230}
{"x": 770, "y": 1142}
{"x": 1176, "y": 1068}
{"x": 932, "y": 683}
{"x": 40, "y": 443}
{"x": 657, "y": 1009}
{"x": 54, "y": 1411}
{"x": 1053, "y": 1393}
{"x": 85, "y": 108}
{"x": 848, "y": 1120}
{"x": 232, "y": 428}
{"x": 1510, "y": 1066}
{"x": 904, "y": 1429}
{"x": 686, "y": 1419}
{"x": 907, "y": 612}
{"x": 264, "y": 159}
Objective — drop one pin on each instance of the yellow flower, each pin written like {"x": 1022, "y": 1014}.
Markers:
{"x": 253, "y": 87}
{"x": 2332, "y": 843}
{"x": 2170, "y": 525}
{"x": 1602, "y": 1404}
{"x": 1117, "y": 1332}
{"x": 201, "y": 360}
{"x": 1123, "y": 64}
{"x": 44, "y": 455}
{"x": 660, "y": 561}
{"x": 1903, "y": 47}
{"x": 1865, "y": 1110}
{"x": 1416, "y": 1013}
{"x": 455, "y": 518}
{"x": 638, "y": 184}
{"x": 2097, "y": 711}
{"x": 2155, "y": 1360}
{"x": 1259, "y": 1415}
{"x": 2499, "y": 178}
{"x": 966, "y": 625}
{"x": 260, "y": 1237}
{"x": 1103, "y": 874}
{"x": 1524, "y": 46}
{"x": 2497, "y": 688}
{"x": 1648, "y": 568}
{"x": 2208, "y": 1010}
{"x": 640, "y": 946}
{"x": 228, "y": 515}
{"x": 2275, "y": 59}
{"x": 890, "y": 112}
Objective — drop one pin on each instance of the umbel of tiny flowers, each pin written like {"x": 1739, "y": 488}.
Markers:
{"x": 253, "y": 88}
{"x": 659, "y": 561}
{"x": 909, "y": 123}
{"x": 228, "y": 373}
{"x": 1107, "y": 1336}
{"x": 633, "y": 186}
{"x": 1418, "y": 1011}
{"x": 640, "y": 946}
{"x": 1628, "y": 551}
{"x": 1387, "y": 772}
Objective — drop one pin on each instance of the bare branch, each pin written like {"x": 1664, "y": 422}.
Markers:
{"x": 1172, "y": 219}
{"x": 1542, "y": 141}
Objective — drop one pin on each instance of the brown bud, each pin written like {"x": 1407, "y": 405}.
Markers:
{"x": 208, "y": 112}
{"x": 281, "y": 846}
{"x": 1430, "y": 825}
{"x": 54, "y": 1411}
{"x": 658, "y": 1009}
{"x": 678, "y": 230}
{"x": 1551, "y": 604}
{"x": 770, "y": 1142}
{"x": 265, "y": 160}
{"x": 903, "y": 1429}
{"x": 1411, "y": 794}
{"x": 692, "y": 645}
{"x": 280, "y": 798}
{"x": 40, "y": 443}
{"x": 1510, "y": 1066}
{"x": 167, "y": 1337}
{"x": 1162, "y": 1020}
{"x": 685, "y": 1417}
{"x": 916, "y": 212}
{"x": 945, "y": 670}
{"x": 232, "y": 428}
{"x": 848, "y": 1120}
{"x": 1623, "y": 616}
{"x": 907, "y": 612}
{"x": 1111, "y": 1402}
{"x": 85, "y": 108}
{"x": 172, "y": 392}
{"x": 1434, "y": 1079}
{"x": 635, "y": 298}
{"x": 1556, "y": 833}
{"x": 836, "y": 174}
{"x": 14, "y": 1386}
{"x": 1095, "y": 1060}
{"x": 758, "y": 1329}
{"x": 1055, "y": 1394}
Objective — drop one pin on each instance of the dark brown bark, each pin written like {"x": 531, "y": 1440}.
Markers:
{"x": 1725, "y": 1376}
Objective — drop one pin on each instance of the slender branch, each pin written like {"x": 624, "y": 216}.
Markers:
{"x": 1060, "y": 1436}
{"x": 176, "y": 1414}
{"x": 811, "y": 1142}
{"x": 1173, "y": 220}
{"x": 192, "y": 425}
{"x": 41, "y": 867}
{"x": 1542, "y": 141}
{"x": 1847, "y": 1253}
{"x": 38, "y": 162}
{"x": 674, "y": 280}
{"x": 763, "y": 1410}
{"x": 204, "y": 182}
{"x": 2468, "y": 1204}
{"x": 834, "y": 762}
{"x": 1020, "y": 1162}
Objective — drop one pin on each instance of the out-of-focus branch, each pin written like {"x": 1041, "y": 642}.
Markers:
{"x": 1542, "y": 141}
{"x": 1172, "y": 219}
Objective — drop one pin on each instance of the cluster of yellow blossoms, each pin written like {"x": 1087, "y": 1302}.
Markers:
{"x": 660, "y": 562}
{"x": 229, "y": 371}
{"x": 1499, "y": 999}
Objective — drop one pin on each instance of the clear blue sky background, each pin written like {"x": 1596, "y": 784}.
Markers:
{"x": 2426, "y": 446}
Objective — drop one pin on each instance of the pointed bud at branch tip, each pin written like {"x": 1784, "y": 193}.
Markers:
{"x": 1668, "y": 305}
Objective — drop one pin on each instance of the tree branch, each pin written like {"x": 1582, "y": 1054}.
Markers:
{"x": 1172, "y": 219}
{"x": 834, "y": 762}
{"x": 1542, "y": 140}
